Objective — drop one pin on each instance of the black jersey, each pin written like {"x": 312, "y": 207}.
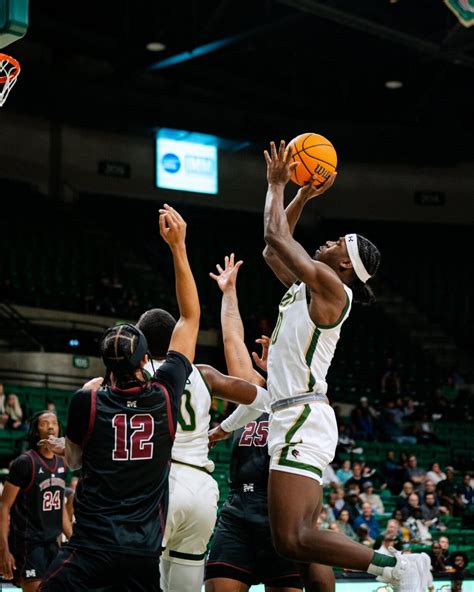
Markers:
{"x": 126, "y": 435}
{"x": 250, "y": 460}
{"x": 36, "y": 515}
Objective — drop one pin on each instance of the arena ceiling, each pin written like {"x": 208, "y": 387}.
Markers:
{"x": 254, "y": 70}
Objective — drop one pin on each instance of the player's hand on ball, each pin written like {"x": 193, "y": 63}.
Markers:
{"x": 261, "y": 361}
{"x": 279, "y": 165}
{"x": 55, "y": 445}
{"x": 227, "y": 278}
{"x": 308, "y": 191}
{"x": 172, "y": 226}
{"x": 216, "y": 435}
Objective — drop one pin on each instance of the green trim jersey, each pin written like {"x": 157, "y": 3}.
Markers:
{"x": 191, "y": 440}
{"x": 300, "y": 351}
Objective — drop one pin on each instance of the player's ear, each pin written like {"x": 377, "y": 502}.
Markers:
{"x": 345, "y": 264}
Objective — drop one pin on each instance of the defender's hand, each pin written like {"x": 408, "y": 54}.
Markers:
{"x": 172, "y": 227}
{"x": 261, "y": 361}
{"x": 227, "y": 278}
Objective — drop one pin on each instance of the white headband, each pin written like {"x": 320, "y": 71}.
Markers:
{"x": 353, "y": 250}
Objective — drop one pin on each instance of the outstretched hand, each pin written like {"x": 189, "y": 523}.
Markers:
{"x": 172, "y": 226}
{"x": 279, "y": 165}
{"x": 261, "y": 361}
{"x": 227, "y": 278}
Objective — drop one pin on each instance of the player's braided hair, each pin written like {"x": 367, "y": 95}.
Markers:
{"x": 122, "y": 348}
{"x": 370, "y": 257}
{"x": 157, "y": 325}
{"x": 33, "y": 435}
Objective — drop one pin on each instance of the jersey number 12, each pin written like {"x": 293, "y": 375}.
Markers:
{"x": 137, "y": 445}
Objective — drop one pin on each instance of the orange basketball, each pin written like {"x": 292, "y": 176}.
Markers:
{"x": 316, "y": 155}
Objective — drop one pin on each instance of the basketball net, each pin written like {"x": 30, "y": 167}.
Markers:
{"x": 9, "y": 70}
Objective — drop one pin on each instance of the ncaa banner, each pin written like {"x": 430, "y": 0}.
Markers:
{"x": 463, "y": 9}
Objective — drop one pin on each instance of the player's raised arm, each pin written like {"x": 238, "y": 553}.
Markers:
{"x": 318, "y": 276}
{"x": 184, "y": 337}
{"x": 238, "y": 360}
{"x": 293, "y": 213}
{"x": 7, "y": 561}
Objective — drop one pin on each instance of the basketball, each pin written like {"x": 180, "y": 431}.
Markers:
{"x": 316, "y": 155}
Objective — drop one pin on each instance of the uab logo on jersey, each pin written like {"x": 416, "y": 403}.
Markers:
{"x": 287, "y": 299}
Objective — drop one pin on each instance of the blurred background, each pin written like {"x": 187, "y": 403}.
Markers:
{"x": 83, "y": 171}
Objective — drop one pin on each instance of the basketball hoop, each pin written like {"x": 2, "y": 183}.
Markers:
{"x": 9, "y": 70}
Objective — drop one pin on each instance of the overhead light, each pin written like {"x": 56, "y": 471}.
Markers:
{"x": 393, "y": 1}
{"x": 393, "y": 84}
{"x": 155, "y": 46}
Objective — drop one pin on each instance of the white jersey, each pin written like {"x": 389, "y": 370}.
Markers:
{"x": 300, "y": 351}
{"x": 191, "y": 441}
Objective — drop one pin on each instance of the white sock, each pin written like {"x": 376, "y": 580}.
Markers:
{"x": 176, "y": 577}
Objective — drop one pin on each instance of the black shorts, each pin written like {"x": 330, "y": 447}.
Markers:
{"x": 82, "y": 570}
{"x": 242, "y": 549}
{"x": 32, "y": 561}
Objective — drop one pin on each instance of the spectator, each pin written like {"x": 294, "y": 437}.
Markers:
{"x": 414, "y": 473}
{"x": 345, "y": 443}
{"x": 324, "y": 520}
{"x": 357, "y": 478}
{"x": 418, "y": 530}
{"x": 363, "y": 420}
{"x": 390, "y": 381}
{"x": 404, "y": 531}
{"x": 352, "y": 505}
{"x": 458, "y": 561}
{"x": 447, "y": 493}
{"x": 465, "y": 491}
{"x": 444, "y": 543}
{"x": 372, "y": 474}
{"x": 15, "y": 413}
{"x": 393, "y": 530}
{"x": 435, "y": 474}
{"x": 407, "y": 490}
{"x": 367, "y": 519}
{"x": 413, "y": 503}
{"x": 393, "y": 472}
{"x": 390, "y": 425}
{"x": 345, "y": 526}
{"x": 340, "y": 493}
{"x": 3, "y": 414}
{"x": 430, "y": 512}
{"x": 344, "y": 472}
{"x": 449, "y": 390}
{"x": 371, "y": 498}
{"x": 423, "y": 431}
{"x": 409, "y": 408}
{"x": 438, "y": 563}
{"x": 332, "y": 510}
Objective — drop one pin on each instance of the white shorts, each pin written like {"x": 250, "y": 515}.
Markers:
{"x": 192, "y": 514}
{"x": 303, "y": 439}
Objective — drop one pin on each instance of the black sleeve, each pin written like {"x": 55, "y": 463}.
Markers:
{"x": 21, "y": 471}
{"x": 78, "y": 416}
{"x": 173, "y": 373}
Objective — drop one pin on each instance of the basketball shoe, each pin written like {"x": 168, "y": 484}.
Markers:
{"x": 412, "y": 572}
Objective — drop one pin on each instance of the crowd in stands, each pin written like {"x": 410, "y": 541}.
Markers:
{"x": 13, "y": 414}
{"x": 422, "y": 500}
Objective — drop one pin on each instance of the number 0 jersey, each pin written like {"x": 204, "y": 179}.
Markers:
{"x": 300, "y": 351}
{"x": 36, "y": 515}
{"x": 191, "y": 441}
